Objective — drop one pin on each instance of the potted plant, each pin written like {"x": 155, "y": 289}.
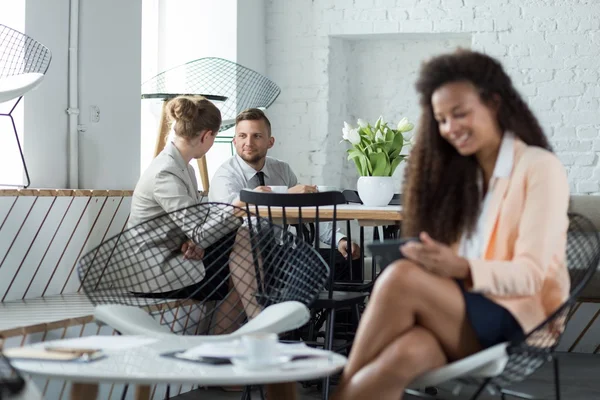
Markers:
{"x": 376, "y": 152}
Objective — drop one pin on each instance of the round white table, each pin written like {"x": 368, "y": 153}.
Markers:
{"x": 144, "y": 366}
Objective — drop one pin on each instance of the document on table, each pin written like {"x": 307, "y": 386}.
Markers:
{"x": 236, "y": 349}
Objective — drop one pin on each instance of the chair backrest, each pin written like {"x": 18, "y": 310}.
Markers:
{"x": 11, "y": 382}
{"x": 297, "y": 210}
{"x": 144, "y": 266}
{"x": 583, "y": 257}
{"x": 233, "y": 86}
{"x": 20, "y": 54}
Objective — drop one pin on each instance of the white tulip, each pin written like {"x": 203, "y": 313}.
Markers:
{"x": 362, "y": 123}
{"x": 353, "y": 136}
{"x": 404, "y": 125}
{"x": 379, "y": 122}
{"x": 345, "y": 130}
{"x": 379, "y": 136}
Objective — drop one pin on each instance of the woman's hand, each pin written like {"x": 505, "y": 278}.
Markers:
{"x": 436, "y": 257}
{"x": 191, "y": 251}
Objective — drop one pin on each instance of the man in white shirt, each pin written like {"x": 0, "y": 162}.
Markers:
{"x": 251, "y": 168}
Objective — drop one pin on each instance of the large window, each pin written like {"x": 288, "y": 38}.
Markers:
{"x": 174, "y": 33}
{"x": 12, "y": 14}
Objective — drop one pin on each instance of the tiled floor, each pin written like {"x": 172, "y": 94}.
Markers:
{"x": 580, "y": 377}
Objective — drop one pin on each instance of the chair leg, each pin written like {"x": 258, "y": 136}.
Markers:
{"x": 329, "y": 330}
{"x": 124, "y": 394}
{"x": 246, "y": 393}
{"x": 556, "y": 379}
{"x": 168, "y": 392}
{"x": 9, "y": 115}
{"x": 261, "y": 392}
{"x": 480, "y": 389}
{"x": 20, "y": 152}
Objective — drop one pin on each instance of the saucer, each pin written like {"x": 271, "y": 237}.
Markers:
{"x": 243, "y": 362}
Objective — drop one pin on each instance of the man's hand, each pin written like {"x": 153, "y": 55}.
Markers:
{"x": 303, "y": 189}
{"x": 264, "y": 189}
{"x": 191, "y": 251}
{"x": 343, "y": 248}
{"x": 437, "y": 258}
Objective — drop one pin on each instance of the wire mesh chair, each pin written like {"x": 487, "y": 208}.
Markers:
{"x": 241, "y": 269}
{"x": 232, "y": 86}
{"x": 290, "y": 210}
{"x": 23, "y": 64}
{"x": 513, "y": 362}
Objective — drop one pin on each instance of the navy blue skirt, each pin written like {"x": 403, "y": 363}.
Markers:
{"x": 491, "y": 322}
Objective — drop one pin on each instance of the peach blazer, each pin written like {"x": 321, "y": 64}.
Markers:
{"x": 523, "y": 267}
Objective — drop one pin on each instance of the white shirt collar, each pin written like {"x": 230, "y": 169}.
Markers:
{"x": 506, "y": 155}
{"x": 248, "y": 171}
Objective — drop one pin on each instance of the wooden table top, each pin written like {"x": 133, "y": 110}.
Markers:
{"x": 366, "y": 216}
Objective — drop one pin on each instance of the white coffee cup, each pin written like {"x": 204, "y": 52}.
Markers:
{"x": 279, "y": 189}
{"x": 261, "y": 348}
{"x": 322, "y": 188}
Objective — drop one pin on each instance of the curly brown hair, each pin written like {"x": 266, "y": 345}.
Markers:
{"x": 441, "y": 195}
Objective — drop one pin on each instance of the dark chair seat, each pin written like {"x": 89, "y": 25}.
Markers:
{"x": 339, "y": 299}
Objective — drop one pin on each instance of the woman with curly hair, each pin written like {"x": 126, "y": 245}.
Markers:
{"x": 488, "y": 200}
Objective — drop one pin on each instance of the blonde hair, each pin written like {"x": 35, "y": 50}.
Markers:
{"x": 192, "y": 115}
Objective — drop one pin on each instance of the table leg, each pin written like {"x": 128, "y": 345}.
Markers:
{"x": 282, "y": 391}
{"x": 84, "y": 391}
{"x": 142, "y": 392}
{"x": 203, "y": 169}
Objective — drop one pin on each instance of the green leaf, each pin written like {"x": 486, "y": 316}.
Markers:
{"x": 353, "y": 153}
{"x": 360, "y": 161}
{"x": 389, "y": 136}
{"x": 395, "y": 162}
{"x": 398, "y": 143}
{"x": 380, "y": 163}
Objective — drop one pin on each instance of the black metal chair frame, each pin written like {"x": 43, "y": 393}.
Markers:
{"x": 22, "y": 55}
{"x": 112, "y": 272}
{"x": 332, "y": 299}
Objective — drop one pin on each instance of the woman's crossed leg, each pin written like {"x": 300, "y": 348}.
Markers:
{"x": 415, "y": 321}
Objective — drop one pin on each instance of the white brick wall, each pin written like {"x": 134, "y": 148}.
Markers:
{"x": 551, "y": 48}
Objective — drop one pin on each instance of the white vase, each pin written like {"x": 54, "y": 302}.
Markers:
{"x": 376, "y": 191}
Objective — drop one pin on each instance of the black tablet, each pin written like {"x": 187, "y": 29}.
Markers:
{"x": 388, "y": 251}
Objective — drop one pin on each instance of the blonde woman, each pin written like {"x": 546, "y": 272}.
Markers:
{"x": 179, "y": 251}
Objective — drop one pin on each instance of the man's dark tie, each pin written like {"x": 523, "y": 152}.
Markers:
{"x": 261, "y": 178}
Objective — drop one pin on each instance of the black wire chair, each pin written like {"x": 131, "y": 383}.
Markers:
{"x": 23, "y": 64}
{"x": 231, "y": 86}
{"x": 11, "y": 381}
{"x": 245, "y": 270}
{"x": 526, "y": 356}
{"x": 296, "y": 209}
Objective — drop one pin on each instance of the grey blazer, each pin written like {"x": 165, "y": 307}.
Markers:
{"x": 169, "y": 186}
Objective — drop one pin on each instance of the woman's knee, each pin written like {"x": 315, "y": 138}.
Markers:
{"x": 399, "y": 279}
{"x": 412, "y": 354}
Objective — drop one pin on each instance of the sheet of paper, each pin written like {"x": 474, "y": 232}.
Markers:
{"x": 102, "y": 342}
